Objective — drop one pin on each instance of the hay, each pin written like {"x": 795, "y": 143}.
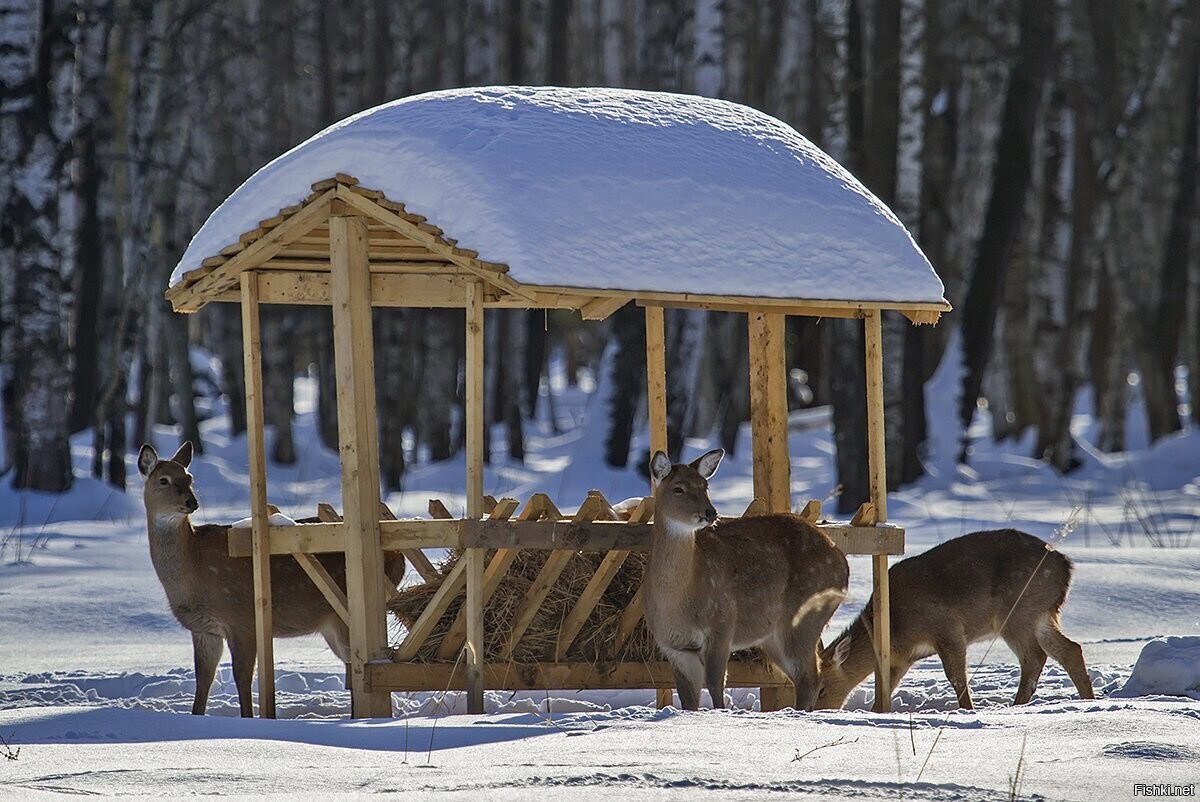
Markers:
{"x": 594, "y": 644}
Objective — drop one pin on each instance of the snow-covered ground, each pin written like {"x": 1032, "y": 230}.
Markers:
{"x": 95, "y": 675}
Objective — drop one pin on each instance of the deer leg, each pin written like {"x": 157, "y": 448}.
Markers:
{"x": 1033, "y": 659}
{"x": 689, "y": 674}
{"x": 953, "y": 654}
{"x": 1067, "y": 652}
{"x": 716, "y": 660}
{"x": 206, "y": 655}
{"x": 243, "y": 651}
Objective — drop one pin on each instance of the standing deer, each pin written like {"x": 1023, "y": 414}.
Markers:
{"x": 966, "y": 589}
{"x": 711, "y": 588}
{"x": 212, "y": 594}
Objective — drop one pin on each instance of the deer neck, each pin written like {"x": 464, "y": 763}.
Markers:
{"x": 172, "y": 543}
{"x": 673, "y": 555}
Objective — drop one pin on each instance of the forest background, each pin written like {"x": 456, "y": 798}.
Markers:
{"x": 1043, "y": 153}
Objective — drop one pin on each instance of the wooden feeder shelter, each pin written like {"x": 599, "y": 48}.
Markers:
{"x": 352, "y": 248}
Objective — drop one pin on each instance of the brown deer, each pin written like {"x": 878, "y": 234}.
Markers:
{"x": 212, "y": 594}
{"x": 711, "y": 588}
{"x": 972, "y": 587}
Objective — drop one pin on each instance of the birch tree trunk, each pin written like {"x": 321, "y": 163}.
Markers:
{"x": 36, "y": 236}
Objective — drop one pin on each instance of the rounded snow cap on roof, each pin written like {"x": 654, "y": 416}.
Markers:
{"x": 609, "y": 189}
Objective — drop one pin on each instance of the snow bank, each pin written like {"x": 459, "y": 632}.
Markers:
{"x": 608, "y": 188}
{"x": 1166, "y": 667}
{"x": 274, "y": 519}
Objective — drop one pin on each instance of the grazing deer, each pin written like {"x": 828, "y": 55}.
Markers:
{"x": 212, "y": 594}
{"x": 771, "y": 581}
{"x": 972, "y": 587}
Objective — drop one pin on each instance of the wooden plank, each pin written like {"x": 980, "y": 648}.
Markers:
{"x": 327, "y": 513}
{"x": 192, "y": 298}
{"x": 260, "y": 536}
{"x": 438, "y": 510}
{"x": 358, "y": 451}
{"x": 768, "y": 410}
{"x": 325, "y": 583}
{"x": 476, "y": 431}
{"x": 451, "y": 586}
{"x": 656, "y": 380}
{"x": 402, "y": 677}
{"x": 865, "y": 515}
{"x": 548, "y": 534}
{"x": 877, "y": 464}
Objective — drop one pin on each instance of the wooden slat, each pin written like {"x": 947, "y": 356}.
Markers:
{"x": 629, "y": 621}
{"x": 865, "y": 515}
{"x": 877, "y": 464}
{"x": 325, "y": 583}
{"x": 406, "y": 676}
{"x": 811, "y": 511}
{"x": 756, "y": 507}
{"x": 451, "y": 586}
{"x": 438, "y": 510}
{"x": 259, "y": 513}
{"x": 358, "y": 452}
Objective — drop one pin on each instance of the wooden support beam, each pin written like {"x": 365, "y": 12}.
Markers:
{"x": 417, "y": 676}
{"x": 865, "y": 515}
{"x": 756, "y": 507}
{"x": 358, "y": 450}
{"x": 882, "y": 631}
{"x": 256, "y": 445}
{"x": 476, "y": 431}
{"x": 629, "y": 621}
{"x": 451, "y": 586}
{"x": 768, "y": 410}
{"x": 325, "y": 583}
{"x": 438, "y": 510}
{"x": 656, "y": 380}
{"x": 601, "y": 308}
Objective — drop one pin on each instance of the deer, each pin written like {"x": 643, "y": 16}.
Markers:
{"x": 1004, "y": 582}
{"x": 713, "y": 587}
{"x": 211, "y": 593}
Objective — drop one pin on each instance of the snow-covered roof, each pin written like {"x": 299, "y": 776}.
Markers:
{"x": 608, "y": 189}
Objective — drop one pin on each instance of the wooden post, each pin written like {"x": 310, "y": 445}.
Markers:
{"x": 358, "y": 450}
{"x": 769, "y": 432}
{"x": 882, "y": 633}
{"x": 768, "y": 410}
{"x": 476, "y": 430}
{"x": 656, "y": 402}
{"x": 261, "y": 551}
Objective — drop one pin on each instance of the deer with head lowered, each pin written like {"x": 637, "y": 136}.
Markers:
{"x": 1005, "y": 583}
{"x": 710, "y": 588}
{"x": 212, "y": 593}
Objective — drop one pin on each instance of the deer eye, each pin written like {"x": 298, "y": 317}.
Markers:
{"x": 164, "y": 482}
{"x": 679, "y": 490}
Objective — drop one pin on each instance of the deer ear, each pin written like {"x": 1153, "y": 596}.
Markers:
{"x": 841, "y": 650}
{"x": 707, "y": 464}
{"x": 184, "y": 455}
{"x": 147, "y": 459}
{"x": 660, "y": 466}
